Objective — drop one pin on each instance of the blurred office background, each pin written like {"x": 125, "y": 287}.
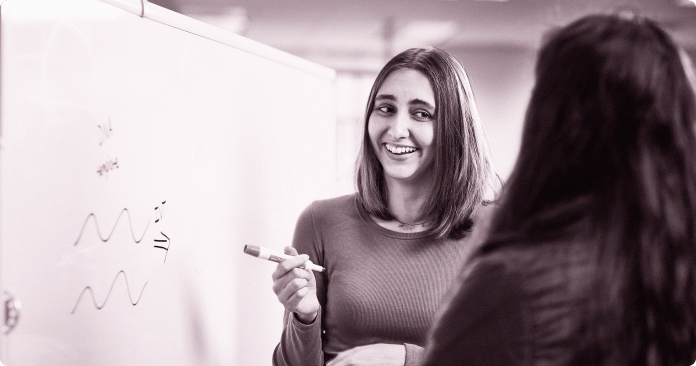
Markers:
{"x": 496, "y": 40}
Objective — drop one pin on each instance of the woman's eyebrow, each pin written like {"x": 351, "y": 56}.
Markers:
{"x": 385, "y": 96}
{"x": 420, "y": 102}
{"x": 410, "y": 102}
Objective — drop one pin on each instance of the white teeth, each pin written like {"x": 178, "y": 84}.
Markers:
{"x": 400, "y": 149}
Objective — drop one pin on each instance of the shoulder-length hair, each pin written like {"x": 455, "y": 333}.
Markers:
{"x": 609, "y": 139}
{"x": 462, "y": 162}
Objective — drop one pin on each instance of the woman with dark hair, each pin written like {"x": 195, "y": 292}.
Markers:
{"x": 591, "y": 255}
{"x": 392, "y": 249}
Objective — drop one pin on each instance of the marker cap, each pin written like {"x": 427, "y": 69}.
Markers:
{"x": 252, "y": 250}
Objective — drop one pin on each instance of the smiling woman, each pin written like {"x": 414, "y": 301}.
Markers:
{"x": 402, "y": 129}
{"x": 392, "y": 249}
{"x": 422, "y": 100}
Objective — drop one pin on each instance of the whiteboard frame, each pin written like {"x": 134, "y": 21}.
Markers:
{"x": 154, "y": 12}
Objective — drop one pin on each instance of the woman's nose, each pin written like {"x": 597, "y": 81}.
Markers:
{"x": 399, "y": 126}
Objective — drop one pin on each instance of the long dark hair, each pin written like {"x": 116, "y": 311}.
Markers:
{"x": 610, "y": 140}
{"x": 463, "y": 164}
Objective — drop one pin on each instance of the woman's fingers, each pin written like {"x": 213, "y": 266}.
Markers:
{"x": 290, "y": 250}
{"x": 294, "y": 293}
{"x": 289, "y": 264}
{"x": 290, "y": 283}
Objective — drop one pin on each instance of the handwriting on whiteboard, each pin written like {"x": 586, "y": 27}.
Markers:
{"x": 107, "y": 166}
{"x": 100, "y": 306}
{"x": 159, "y": 244}
{"x": 159, "y": 214}
{"x": 106, "y": 238}
{"x": 105, "y": 131}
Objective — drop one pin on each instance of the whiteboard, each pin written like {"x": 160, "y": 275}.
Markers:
{"x": 140, "y": 150}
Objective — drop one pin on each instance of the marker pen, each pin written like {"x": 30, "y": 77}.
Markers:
{"x": 265, "y": 253}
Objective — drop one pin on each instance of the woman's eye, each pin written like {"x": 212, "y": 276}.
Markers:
{"x": 423, "y": 115}
{"x": 385, "y": 109}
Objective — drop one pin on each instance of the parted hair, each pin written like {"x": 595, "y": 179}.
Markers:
{"x": 610, "y": 140}
{"x": 465, "y": 174}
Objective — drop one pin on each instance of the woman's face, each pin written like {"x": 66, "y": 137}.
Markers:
{"x": 402, "y": 126}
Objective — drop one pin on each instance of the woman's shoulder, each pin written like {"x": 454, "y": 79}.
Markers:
{"x": 328, "y": 210}
{"x": 482, "y": 221}
{"x": 525, "y": 253}
{"x": 334, "y": 204}
{"x": 527, "y": 250}
{"x": 544, "y": 270}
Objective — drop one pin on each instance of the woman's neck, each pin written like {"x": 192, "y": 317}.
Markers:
{"x": 405, "y": 202}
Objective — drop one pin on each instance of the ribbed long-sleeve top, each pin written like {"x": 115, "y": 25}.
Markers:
{"x": 380, "y": 286}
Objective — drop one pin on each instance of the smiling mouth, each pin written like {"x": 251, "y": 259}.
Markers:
{"x": 399, "y": 150}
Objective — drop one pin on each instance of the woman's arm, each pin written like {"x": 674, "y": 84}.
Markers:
{"x": 380, "y": 354}
{"x": 301, "y": 341}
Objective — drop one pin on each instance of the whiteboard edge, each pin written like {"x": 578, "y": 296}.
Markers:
{"x": 133, "y": 6}
{"x": 173, "y": 19}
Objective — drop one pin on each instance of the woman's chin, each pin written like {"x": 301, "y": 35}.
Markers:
{"x": 409, "y": 175}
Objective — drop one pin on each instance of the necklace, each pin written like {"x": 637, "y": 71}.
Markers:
{"x": 409, "y": 225}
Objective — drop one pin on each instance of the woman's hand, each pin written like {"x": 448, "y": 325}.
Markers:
{"x": 295, "y": 287}
{"x": 380, "y": 354}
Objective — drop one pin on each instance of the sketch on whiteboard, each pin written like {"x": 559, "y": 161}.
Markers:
{"x": 107, "y": 166}
{"x": 159, "y": 216}
{"x": 100, "y": 306}
{"x": 105, "y": 239}
{"x": 163, "y": 247}
{"x": 159, "y": 212}
{"x": 105, "y": 131}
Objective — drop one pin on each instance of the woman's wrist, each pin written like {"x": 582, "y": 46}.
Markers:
{"x": 306, "y": 318}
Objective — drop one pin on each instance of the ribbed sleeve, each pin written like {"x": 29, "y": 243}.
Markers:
{"x": 300, "y": 343}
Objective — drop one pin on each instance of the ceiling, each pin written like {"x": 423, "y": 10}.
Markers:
{"x": 354, "y": 34}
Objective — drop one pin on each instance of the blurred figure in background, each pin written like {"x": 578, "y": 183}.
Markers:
{"x": 392, "y": 249}
{"x": 591, "y": 256}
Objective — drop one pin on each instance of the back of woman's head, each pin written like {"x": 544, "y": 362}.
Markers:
{"x": 611, "y": 118}
{"x": 609, "y": 138}
{"x": 464, "y": 170}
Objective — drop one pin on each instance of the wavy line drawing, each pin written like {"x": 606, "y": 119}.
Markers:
{"x": 96, "y": 224}
{"x": 94, "y": 300}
